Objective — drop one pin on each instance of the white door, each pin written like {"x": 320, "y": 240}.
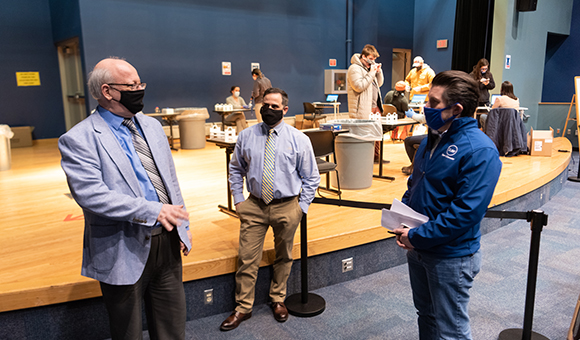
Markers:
{"x": 72, "y": 83}
{"x": 401, "y": 65}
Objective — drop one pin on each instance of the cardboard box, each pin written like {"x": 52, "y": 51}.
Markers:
{"x": 22, "y": 136}
{"x": 540, "y": 142}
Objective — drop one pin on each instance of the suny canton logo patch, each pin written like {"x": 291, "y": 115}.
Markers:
{"x": 450, "y": 152}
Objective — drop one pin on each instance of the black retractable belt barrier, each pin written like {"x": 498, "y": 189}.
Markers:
{"x": 577, "y": 178}
{"x": 304, "y": 304}
{"x": 538, "y": 219}
{"x": 308, "y": 304}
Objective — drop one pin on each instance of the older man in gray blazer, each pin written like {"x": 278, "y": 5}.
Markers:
{"x": 120, "y": 171}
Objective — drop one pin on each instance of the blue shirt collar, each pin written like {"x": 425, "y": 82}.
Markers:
{"x": 277, "y": 129}
{"x": 112, "y": 119}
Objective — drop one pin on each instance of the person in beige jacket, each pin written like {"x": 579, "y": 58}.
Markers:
{"x": 364, "y": 80}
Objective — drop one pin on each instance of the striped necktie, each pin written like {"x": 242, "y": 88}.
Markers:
{"x": 268, "y": 175}
{"x": 147, "y": 160}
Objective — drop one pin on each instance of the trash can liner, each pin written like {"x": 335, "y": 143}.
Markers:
{"x": 364, "y": 129}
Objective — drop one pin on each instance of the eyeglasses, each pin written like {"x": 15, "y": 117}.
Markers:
{"x": 132, "y": 87}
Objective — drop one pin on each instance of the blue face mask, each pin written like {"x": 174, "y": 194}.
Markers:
{"x": 433, "y": 116}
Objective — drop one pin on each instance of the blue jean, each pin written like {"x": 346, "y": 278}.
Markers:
{"x": 441, "y": 293}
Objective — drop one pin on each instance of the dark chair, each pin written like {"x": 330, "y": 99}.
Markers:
{"x": 323, "y": 145}
{"x": 507, "y": 131}
{"x": 313, "y": 114}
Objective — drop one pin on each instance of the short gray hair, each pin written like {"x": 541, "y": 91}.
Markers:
{"x": 97, "y": 78}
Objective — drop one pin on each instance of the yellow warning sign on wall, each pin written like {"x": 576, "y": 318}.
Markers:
{"x": 28, "y": 78}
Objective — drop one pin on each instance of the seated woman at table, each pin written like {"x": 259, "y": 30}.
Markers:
{"x": 507, "y": 100}
{"x": 236, "y": 118}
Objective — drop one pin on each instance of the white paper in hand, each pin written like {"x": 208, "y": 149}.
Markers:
{"x": 401, "y": 213}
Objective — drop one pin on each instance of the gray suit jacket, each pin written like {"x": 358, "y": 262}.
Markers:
{"x": 118, "y": 219}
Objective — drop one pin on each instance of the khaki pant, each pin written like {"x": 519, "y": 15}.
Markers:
{"x": 257, "y": 108}
{"x": 256, "y": 217}
{"x": 237, "y": 118}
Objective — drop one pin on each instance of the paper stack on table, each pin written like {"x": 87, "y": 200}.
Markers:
{"x": 401, "y": 214}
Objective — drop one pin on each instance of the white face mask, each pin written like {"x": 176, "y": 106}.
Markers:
{"x": 237, "y": 94}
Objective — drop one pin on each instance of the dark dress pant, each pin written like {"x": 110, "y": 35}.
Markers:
{"x": 160, "y": 287}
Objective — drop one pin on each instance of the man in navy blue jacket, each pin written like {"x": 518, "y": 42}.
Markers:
{"x": 456, "y": 170}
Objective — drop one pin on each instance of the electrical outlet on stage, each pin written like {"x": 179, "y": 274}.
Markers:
{"x": 347, "y": 265}
{"x": 208, "y": 296}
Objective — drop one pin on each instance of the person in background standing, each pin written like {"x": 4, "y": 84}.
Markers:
{"x": 482, "y": 75}
{"x": 419, "y": 78}
{"x": 364, "y": 80}
{"x": 237, "y": 102}
{"x": 281, "y": 175}
{"x": 261, "y": 84}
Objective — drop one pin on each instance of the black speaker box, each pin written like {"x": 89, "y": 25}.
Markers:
{"x": 527, "y": 5}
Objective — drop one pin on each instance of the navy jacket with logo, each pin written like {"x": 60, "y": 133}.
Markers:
{"x": 453, "y": 186}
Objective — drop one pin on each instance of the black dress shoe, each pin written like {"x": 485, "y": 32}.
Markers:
{"x": 280, "y": 311}
{"x": 234, "y": 320}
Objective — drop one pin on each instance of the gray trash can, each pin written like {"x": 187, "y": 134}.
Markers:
{"x": 355, "y": 152}
{"x": 5, "y": 152}
{"x": 192, "y": 127}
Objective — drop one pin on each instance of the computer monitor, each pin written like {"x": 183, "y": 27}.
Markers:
{"x": 494, "y": 97}
{"x": 418, "y": 99}
{"x": 332, "y": 98}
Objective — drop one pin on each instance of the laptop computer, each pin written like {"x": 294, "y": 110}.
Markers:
{"x": 331, "y": 98}
{"x": 418, "y": 99}
{"x": 493, "y": 98}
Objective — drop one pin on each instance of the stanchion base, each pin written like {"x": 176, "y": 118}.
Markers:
{"x": 516, "y": 334}
{"x": 228, "y": 211}
{"x": 313, "y": 307}
{"x": 574, "y": 179}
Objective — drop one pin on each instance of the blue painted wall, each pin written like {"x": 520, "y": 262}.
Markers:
{"x": 525, "y": 40}
{"x": 66, "y": 19}
{"x": 178, "y": 46}
{"x": 434, "y": 20}
{"x": 395, "y": 30}
{"x": 26, "y": 45}
{"x": 562, "y": 62}
{"x": 386, "y": 25}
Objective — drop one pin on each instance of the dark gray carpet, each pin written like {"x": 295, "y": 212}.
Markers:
{"x": 379, "y": 306}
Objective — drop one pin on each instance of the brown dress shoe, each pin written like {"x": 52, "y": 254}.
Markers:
{"x": 407, "y": 170}
{"x": 234, "y": 320}
{"x": 280, "y": 311}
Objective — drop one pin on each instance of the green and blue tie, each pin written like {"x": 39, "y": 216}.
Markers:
{"x": 268, "y": 175}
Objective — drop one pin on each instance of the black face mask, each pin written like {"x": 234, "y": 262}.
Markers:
{"x": 132, "y": 100}
{"x": 271, "y": 116}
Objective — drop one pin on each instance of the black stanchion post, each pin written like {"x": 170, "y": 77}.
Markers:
{"x": 577, "y": 178}
{"x": 304, "y": 304}
{"x": 538, "y": 220}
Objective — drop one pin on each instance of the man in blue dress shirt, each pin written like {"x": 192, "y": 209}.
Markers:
{"x": 281, "y": 176}
{"x": 120, "y": 171}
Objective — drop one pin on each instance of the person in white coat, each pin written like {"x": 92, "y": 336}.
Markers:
{"x": 364, "y": 80}
{"x": 363, "y": 85}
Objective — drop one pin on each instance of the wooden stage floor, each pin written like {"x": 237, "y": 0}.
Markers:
{"x": 42, "y": 226}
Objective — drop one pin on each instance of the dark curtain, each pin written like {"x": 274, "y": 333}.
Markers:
{"x": 472, "y": 37}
